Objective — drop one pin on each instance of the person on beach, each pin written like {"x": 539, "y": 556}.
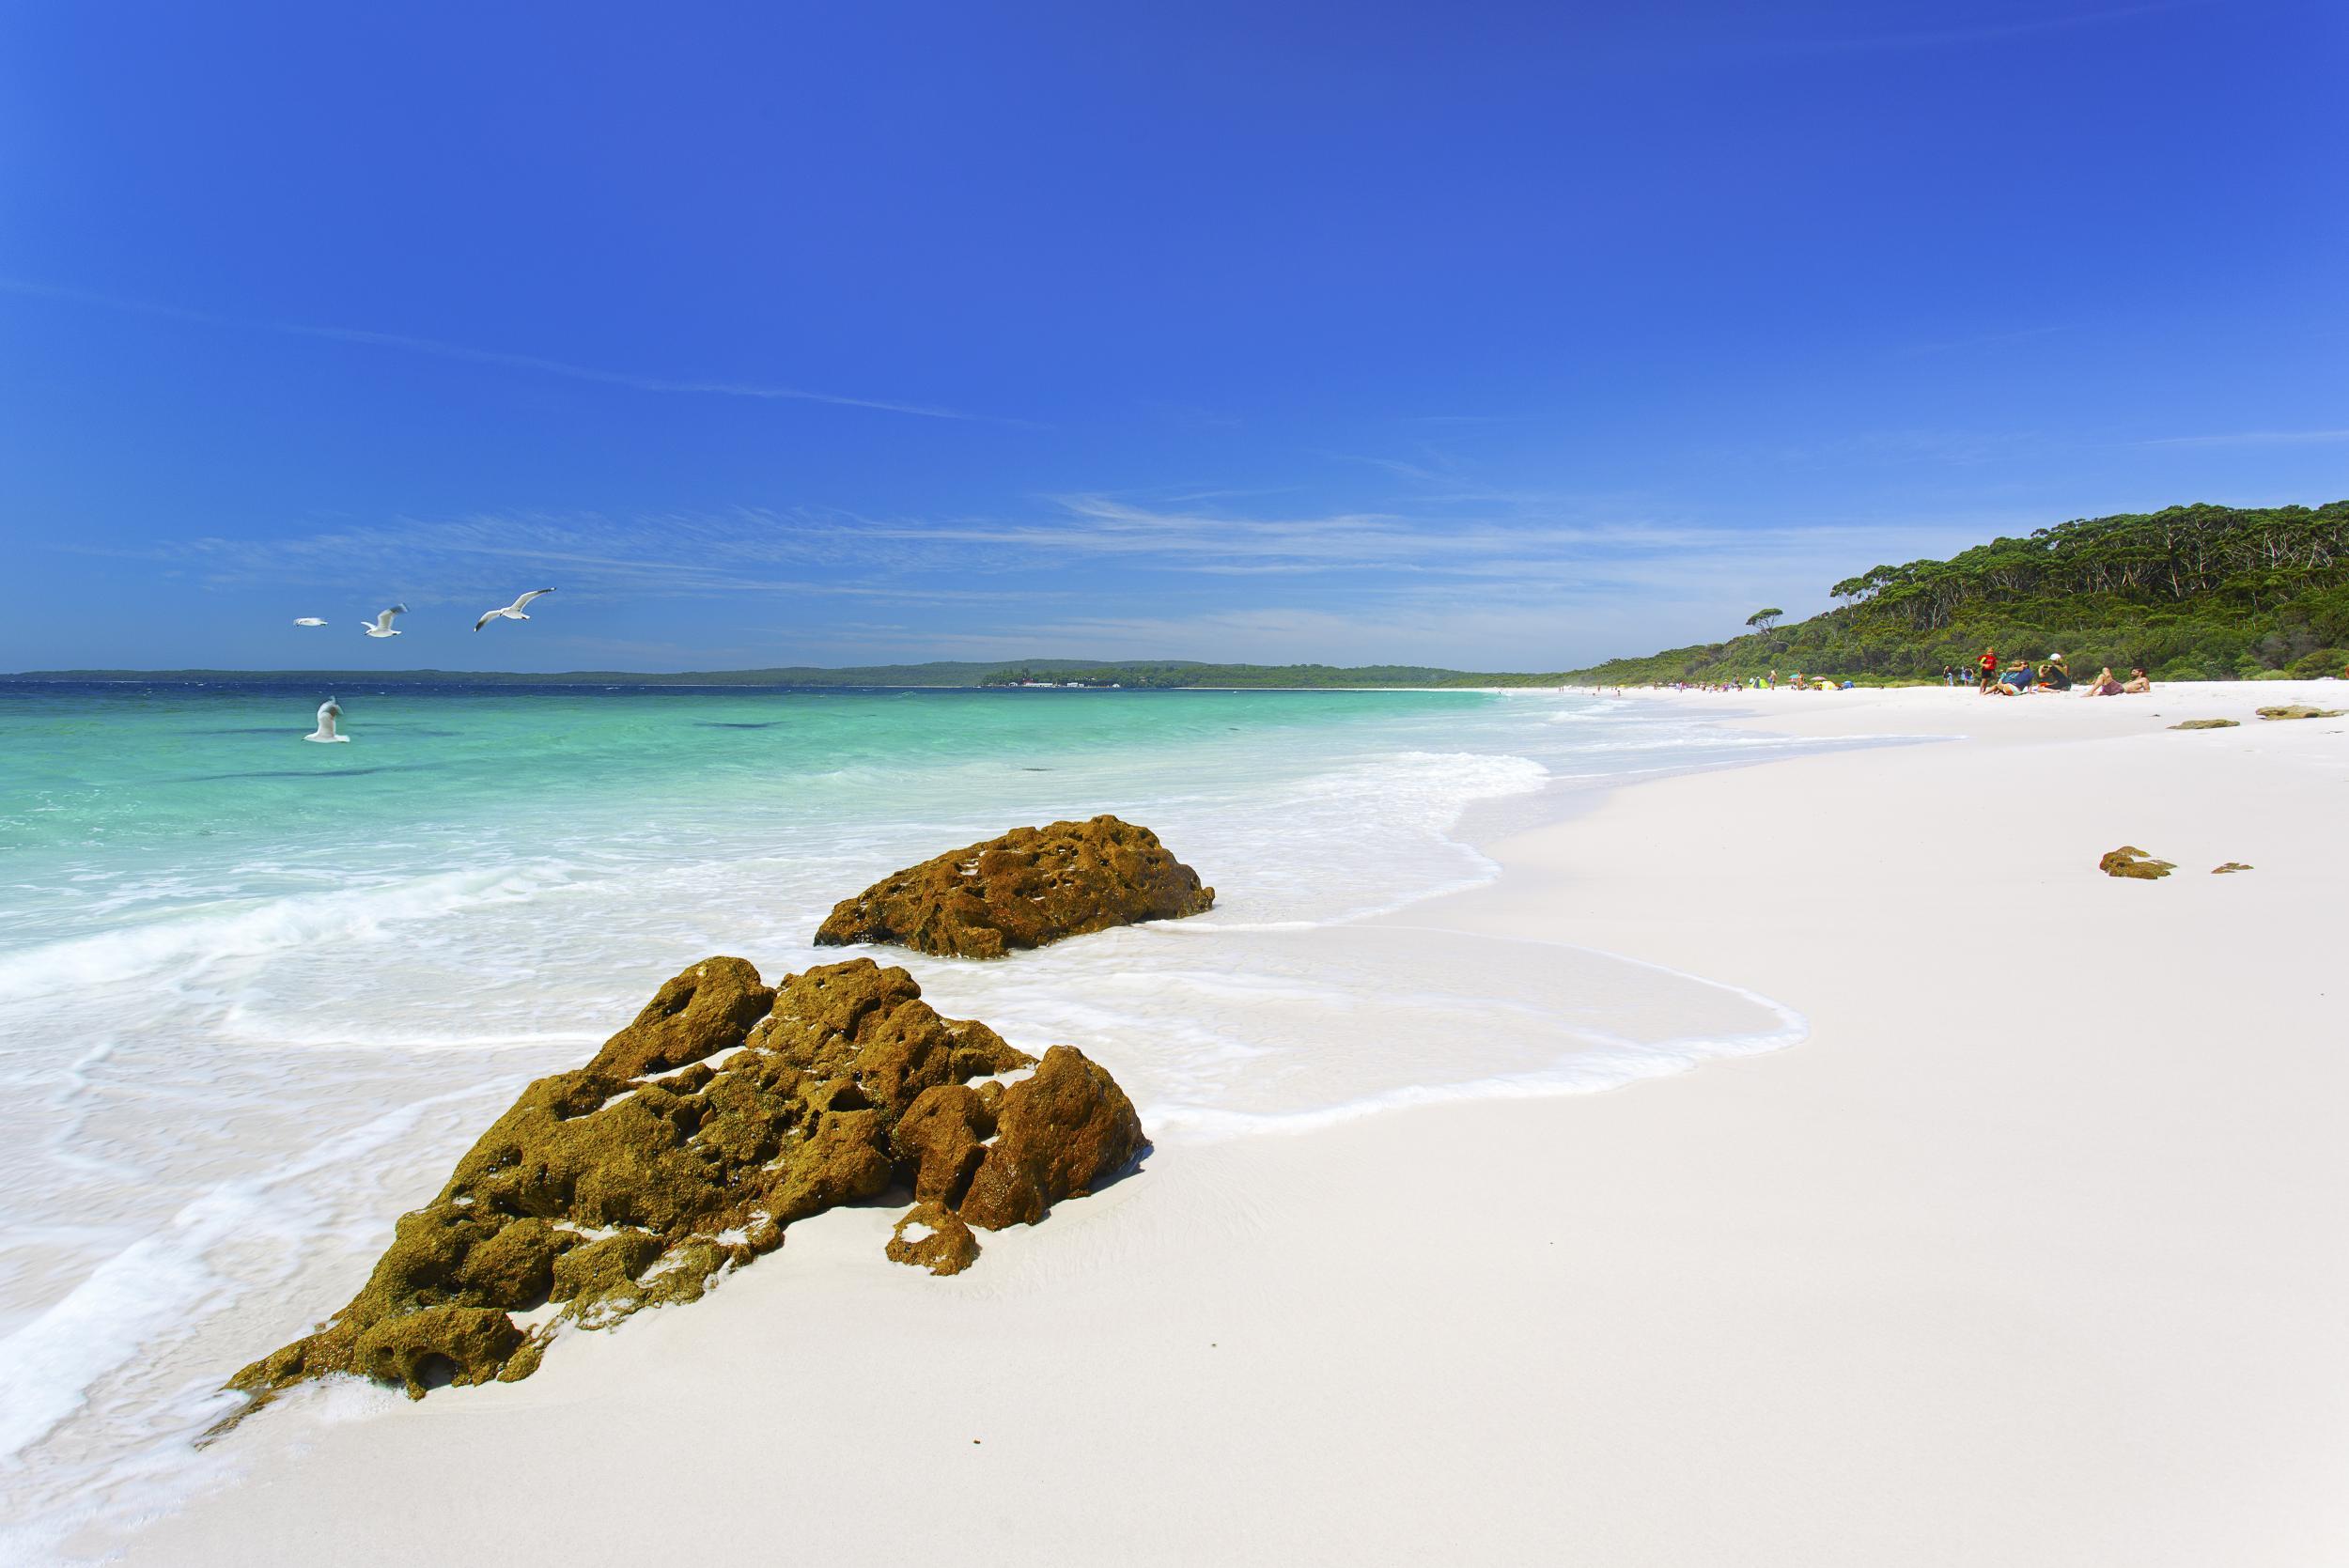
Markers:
{"x": 2137, "y": 682}
{"x": 1989, "y": 663}
{"x": 2105, "y": 685}
{"x": 2015, "y": 681}
{"x": 2053, "y": 677}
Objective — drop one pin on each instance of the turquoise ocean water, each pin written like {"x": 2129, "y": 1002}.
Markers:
{"x": 255, "y": 994}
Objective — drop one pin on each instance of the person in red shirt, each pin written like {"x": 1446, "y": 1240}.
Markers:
{"x": 1989, "y": 668}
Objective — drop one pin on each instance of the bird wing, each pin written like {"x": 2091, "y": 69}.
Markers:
{"x": 487, "y": 620}
{"x": 524, "y": 601}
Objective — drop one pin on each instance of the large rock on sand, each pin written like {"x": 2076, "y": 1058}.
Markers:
{"x": 2301, "y": 711}
{"x": 682, "y": 1150}
{"x": 1028, "y": 888}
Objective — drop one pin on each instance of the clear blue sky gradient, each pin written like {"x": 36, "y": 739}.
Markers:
{"x": 1502, "y": 337}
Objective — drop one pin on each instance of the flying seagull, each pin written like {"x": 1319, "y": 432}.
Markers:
{"x": 307, "y": 620}
{"x": 329, "y": 712}
{"x": 512, "y": 611}
{"x": 382, "y": 625}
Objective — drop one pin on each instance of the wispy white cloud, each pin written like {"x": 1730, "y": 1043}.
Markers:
{"x": 431, "y": 562}
{"x": 2255, "y": 438}
{"x": 1955, "y": 448}
{"x": 1541, "y": 585}
{"x": 1994, "y": 32}
{"x": 1983, "y": 340}
{"x": 536, "y": 363}
{"x": 1395, "y": 466}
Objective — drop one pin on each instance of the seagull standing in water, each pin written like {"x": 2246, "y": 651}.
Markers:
{"x": 329, "y": 712}
{"x": 512, "y": 611}
{"x": 382, "y": 625}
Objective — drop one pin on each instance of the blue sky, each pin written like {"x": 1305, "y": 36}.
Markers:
{"x": 1501, "y": 337}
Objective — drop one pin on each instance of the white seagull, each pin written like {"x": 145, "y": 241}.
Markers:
{"x": 307, "y": 620}
{"x": 382, "y": 625}
{"x": 512, "y": 611}
{"x": 329, "y": 712}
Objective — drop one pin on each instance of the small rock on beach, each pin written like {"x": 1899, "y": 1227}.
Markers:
{"x": 2129, "y": 861}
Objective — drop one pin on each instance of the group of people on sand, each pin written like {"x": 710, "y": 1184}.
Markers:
{"x": 2018, "y": 678}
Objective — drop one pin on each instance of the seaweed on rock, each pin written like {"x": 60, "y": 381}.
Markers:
{"x": 724, "y": 1112}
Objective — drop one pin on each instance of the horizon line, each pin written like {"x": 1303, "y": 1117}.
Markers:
{"x": 1044, "y": 664}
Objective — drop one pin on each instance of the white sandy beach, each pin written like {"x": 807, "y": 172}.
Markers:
{"x": 2031, "y": 1253}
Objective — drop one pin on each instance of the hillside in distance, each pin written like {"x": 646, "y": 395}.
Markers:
{"x": 2188, "y": 593}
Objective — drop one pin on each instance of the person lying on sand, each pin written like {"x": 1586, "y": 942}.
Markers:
{"x": 2104, "y": 685}
{"x": 2136, "y": 681}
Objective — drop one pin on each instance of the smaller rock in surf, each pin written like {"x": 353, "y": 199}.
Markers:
{"x": 1029, "y": 887}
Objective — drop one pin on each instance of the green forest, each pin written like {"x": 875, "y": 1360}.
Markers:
{"x": 2189, "y": 593}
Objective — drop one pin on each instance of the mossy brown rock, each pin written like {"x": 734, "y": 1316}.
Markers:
{"x": 930, "y": 1237}
{"x": 1056, "y": 1131}
{"x": 2229, "y": 868}
{"x": 1030, "y": 887}
{"x": 2206, "y": 724}
{"x": 2129, "y": 861}
{"x": 726, "y": 1111}
{"x": 2301, "y": 711}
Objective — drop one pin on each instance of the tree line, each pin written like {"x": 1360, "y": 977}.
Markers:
{"x": 2188, "y": 593}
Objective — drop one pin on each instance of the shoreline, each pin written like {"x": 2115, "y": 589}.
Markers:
{"x": 2012, "y": 1260}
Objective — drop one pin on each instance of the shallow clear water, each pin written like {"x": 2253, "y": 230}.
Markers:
{"x": 256, "y": 995}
